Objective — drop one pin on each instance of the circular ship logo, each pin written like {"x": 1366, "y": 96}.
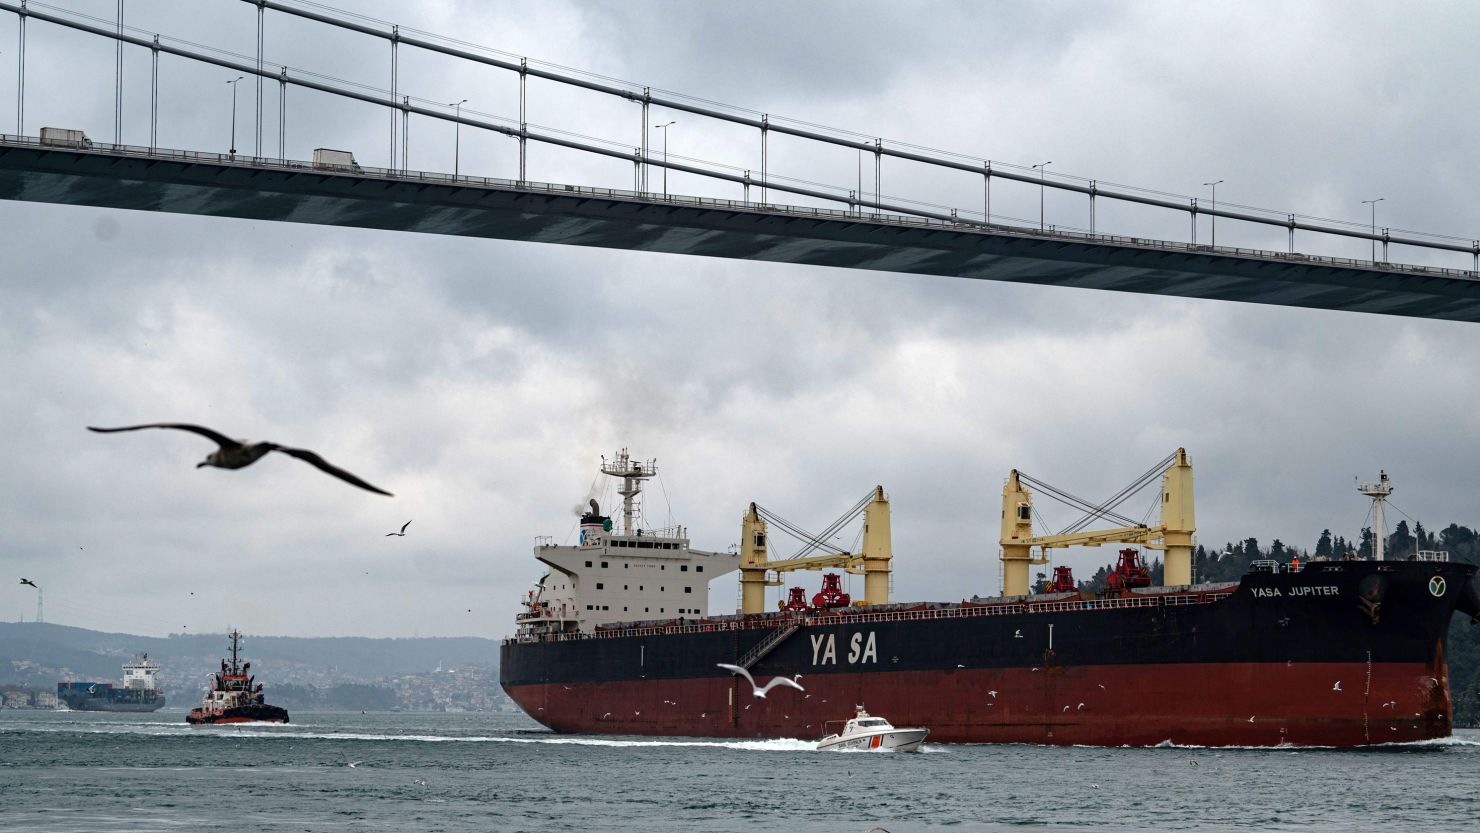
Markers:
{"x": 1437, "y": 586}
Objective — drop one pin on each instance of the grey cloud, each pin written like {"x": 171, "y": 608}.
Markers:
{"x": 480, "y": 380}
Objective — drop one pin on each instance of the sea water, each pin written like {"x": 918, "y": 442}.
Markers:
{"x": 95, "y": 772}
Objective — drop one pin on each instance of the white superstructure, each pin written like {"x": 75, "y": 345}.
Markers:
{"x": 631, "y": 574}
{"x": 139, "y": 674}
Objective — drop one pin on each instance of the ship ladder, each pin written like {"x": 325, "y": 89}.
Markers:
{"x": 766, "y": 646}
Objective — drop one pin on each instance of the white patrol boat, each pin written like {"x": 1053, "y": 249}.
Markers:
{"x": 865, "y": 731}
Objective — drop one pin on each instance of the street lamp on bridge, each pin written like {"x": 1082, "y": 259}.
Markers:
{"x": 456, "y": 133}
{"x": 1214, "y": 201}
{"x": 664, "y": 128}
{"x": 1040, "y": 168}
{"x": 1374, "y": 203}
{"x": 233, "y": 83}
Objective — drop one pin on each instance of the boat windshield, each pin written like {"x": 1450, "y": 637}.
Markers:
{"x": 873, "y": 721}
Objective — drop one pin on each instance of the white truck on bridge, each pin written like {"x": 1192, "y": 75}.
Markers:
{"x": 64, "y": 137}
{"x": 327, "y": 158}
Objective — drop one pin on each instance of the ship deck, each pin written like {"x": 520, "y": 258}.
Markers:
{"x": 1196, "y": 594}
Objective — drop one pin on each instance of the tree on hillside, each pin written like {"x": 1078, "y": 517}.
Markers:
{"x": 1323, "y": 546}
{"x": 1400, "y": 543}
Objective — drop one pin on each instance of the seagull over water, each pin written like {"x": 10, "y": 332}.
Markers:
{"x": 237, "y": 454}
{"x": 402, "y": 533}
{"x": 28, "y": 581}
{"x": 760, "y": 691}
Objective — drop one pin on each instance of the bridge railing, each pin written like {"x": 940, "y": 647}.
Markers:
{"x": 1053, "y": 233}
{"x": 401, "y": 107}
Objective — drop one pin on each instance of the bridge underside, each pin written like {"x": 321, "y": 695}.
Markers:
{"x": 236, "y": 189}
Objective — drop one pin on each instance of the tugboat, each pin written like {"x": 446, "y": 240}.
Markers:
{"x": 233, "y": 698}
{"x": 866, "y": 731}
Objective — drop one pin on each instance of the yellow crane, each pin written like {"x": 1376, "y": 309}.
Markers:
{"x": 1178, "y": 524}
{"x": 873, "y": 563}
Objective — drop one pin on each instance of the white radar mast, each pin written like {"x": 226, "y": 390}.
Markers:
{"x": 632, "y": 472}
{"x": 1379, "y": 492}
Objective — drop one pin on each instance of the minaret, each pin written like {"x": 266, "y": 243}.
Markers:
{"x": 1378, "y": 492}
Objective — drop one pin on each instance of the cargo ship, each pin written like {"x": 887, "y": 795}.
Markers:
{"x": 617, "y": 638}
{"x": 139, "y": 693}
{"x": 235, "y": 696}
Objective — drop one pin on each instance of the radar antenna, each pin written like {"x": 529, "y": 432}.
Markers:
{"x": 632, "y": 472}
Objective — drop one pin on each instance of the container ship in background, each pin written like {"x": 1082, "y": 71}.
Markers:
{"x": 235, "y": 696}
{"x": 140, "y": 691}
{"x": 618, "y": 639}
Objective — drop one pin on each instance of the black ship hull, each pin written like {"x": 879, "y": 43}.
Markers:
{"x": 1338, "y": 654}
{"x": 107, "y": 699}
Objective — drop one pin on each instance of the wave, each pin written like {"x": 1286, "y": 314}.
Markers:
{"x": 278, "y": 731}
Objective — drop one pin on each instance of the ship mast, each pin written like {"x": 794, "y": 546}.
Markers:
{"x": 235, "y": 638}
{"x": 1379, "y": 492}
{"x": 632, "y": 472}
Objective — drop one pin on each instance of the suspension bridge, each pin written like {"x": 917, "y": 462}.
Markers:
{"x": 770, "y": 217}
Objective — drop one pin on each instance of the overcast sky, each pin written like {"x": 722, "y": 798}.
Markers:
{"x": 481, "y": 380}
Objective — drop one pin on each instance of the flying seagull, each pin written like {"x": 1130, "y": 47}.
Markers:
{"x": 1336, "y": 687}
{"x": 236, "y": 454}
{"x": 28, "y": 581}
{"x": 760, "y": 691}
{"x": 402, "y": 533}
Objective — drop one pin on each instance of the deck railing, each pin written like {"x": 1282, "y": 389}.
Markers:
{"x": 964, "y": 610}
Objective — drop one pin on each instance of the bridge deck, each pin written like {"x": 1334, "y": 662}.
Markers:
{"x": 262, "y": 189}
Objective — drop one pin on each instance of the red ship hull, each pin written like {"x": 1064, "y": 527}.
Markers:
{"x": 1253, "y": 704}
{"x": 257, "y": 713}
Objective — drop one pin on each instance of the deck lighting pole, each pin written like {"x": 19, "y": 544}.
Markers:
{"x": 1040, "y": 167}
{"x": 664, "y": 128}
{"x": 1374, "y": 203}
{"x": 456, "y": 129}
{"x": 1214, "y": 186}
{"x": 233, "y": 83}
